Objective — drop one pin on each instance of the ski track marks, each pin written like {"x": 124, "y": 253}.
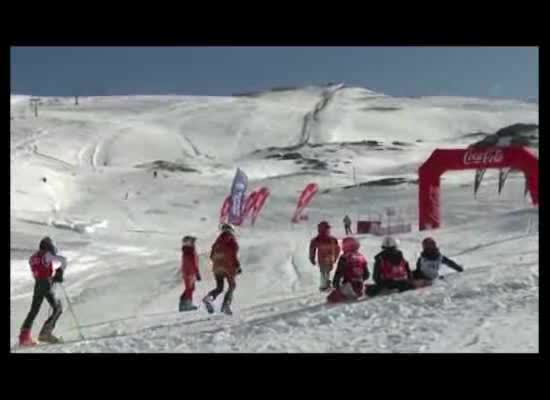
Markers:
{"x": 396, "y": 323}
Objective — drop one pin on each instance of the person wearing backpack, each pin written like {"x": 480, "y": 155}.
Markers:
{"x": 41, "y": 264}
{"x": 391, "y": 271}
{"x": 351, "y": 273}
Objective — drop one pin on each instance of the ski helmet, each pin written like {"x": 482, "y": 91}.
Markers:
{"x": 390, "y": 243}
{"x": 227, "y": 228}
{"x": 323, "y": 226}
{"x": 350, "y": 244}
{"x": 46, "y": 244}
{"x": 429, "y": 243}
{"x": 189, "y": 240}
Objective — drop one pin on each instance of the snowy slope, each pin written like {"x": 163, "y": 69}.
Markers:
{"x": 121, "y": 228}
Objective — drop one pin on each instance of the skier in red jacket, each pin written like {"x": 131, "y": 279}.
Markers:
{"x": 41, "y": 264}
{"x": 327, "y": 249}
{"x": 391, "y": 270}
{"x": 190, "y": 272}
{"x": 226, "y": 266}
{"x": 350, "y": 273}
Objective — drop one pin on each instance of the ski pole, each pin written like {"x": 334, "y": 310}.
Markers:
{"x": 70, "y": 307}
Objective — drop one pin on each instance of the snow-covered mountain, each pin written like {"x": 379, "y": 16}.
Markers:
{"x": 83, "y": 175}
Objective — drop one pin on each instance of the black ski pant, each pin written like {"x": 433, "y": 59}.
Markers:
{"x": 220, "y": 278}
{"x": 348, "y": 230}
{"x": 43, "y": 289}
{"x": 389, "y": 285}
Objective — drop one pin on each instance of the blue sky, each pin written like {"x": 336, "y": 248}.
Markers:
{"x": 509, "y": 72}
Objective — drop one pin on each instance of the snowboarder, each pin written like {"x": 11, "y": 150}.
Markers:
{"x": 391, "y": 270}
{"x": 429, "y": 262}
{"x": 190, "y": 272}
{"x": 347, "y": 225}
{"x": 41, "y": 264}
{"x": 350, "y": 273}
{"x": 226, "y": 266}
{"x": 327, "y": 249}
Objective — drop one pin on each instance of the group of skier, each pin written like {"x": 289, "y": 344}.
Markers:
{"x": 225, "y": 262}
{"x": 391, "y": 270}
{"x": 225, "y": 266}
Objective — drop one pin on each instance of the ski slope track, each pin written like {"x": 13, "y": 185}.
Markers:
{"x": 84, "y": 175}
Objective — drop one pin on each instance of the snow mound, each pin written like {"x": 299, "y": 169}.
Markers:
{"x": 83, "y": 174}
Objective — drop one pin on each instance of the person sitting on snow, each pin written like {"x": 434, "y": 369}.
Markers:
{"x": 391, "y": 270}
{"x": 327, "y": 249}
{"x": 430, "y": 260}
{"x": 351, "y": 273}
{"x": 190, "y": 272}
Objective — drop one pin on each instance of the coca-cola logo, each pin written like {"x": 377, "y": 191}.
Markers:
{"x": 483, "y": 157}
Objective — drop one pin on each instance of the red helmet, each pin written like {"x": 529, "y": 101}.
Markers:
{"x": 429, "y": 243}
{"x": 350, "y": 244}
{"x": 323, "y": 226}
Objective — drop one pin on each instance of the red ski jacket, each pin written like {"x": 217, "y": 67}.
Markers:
{"x": 390, "y": 265}
{"x": 353, "y": 267}
{"x": 189, "y": 261}
{"x": 327, "y": 249}
{"x": 224, "y": 254}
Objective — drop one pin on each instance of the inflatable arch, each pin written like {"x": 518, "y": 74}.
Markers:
{"x": 443, "y": 160}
